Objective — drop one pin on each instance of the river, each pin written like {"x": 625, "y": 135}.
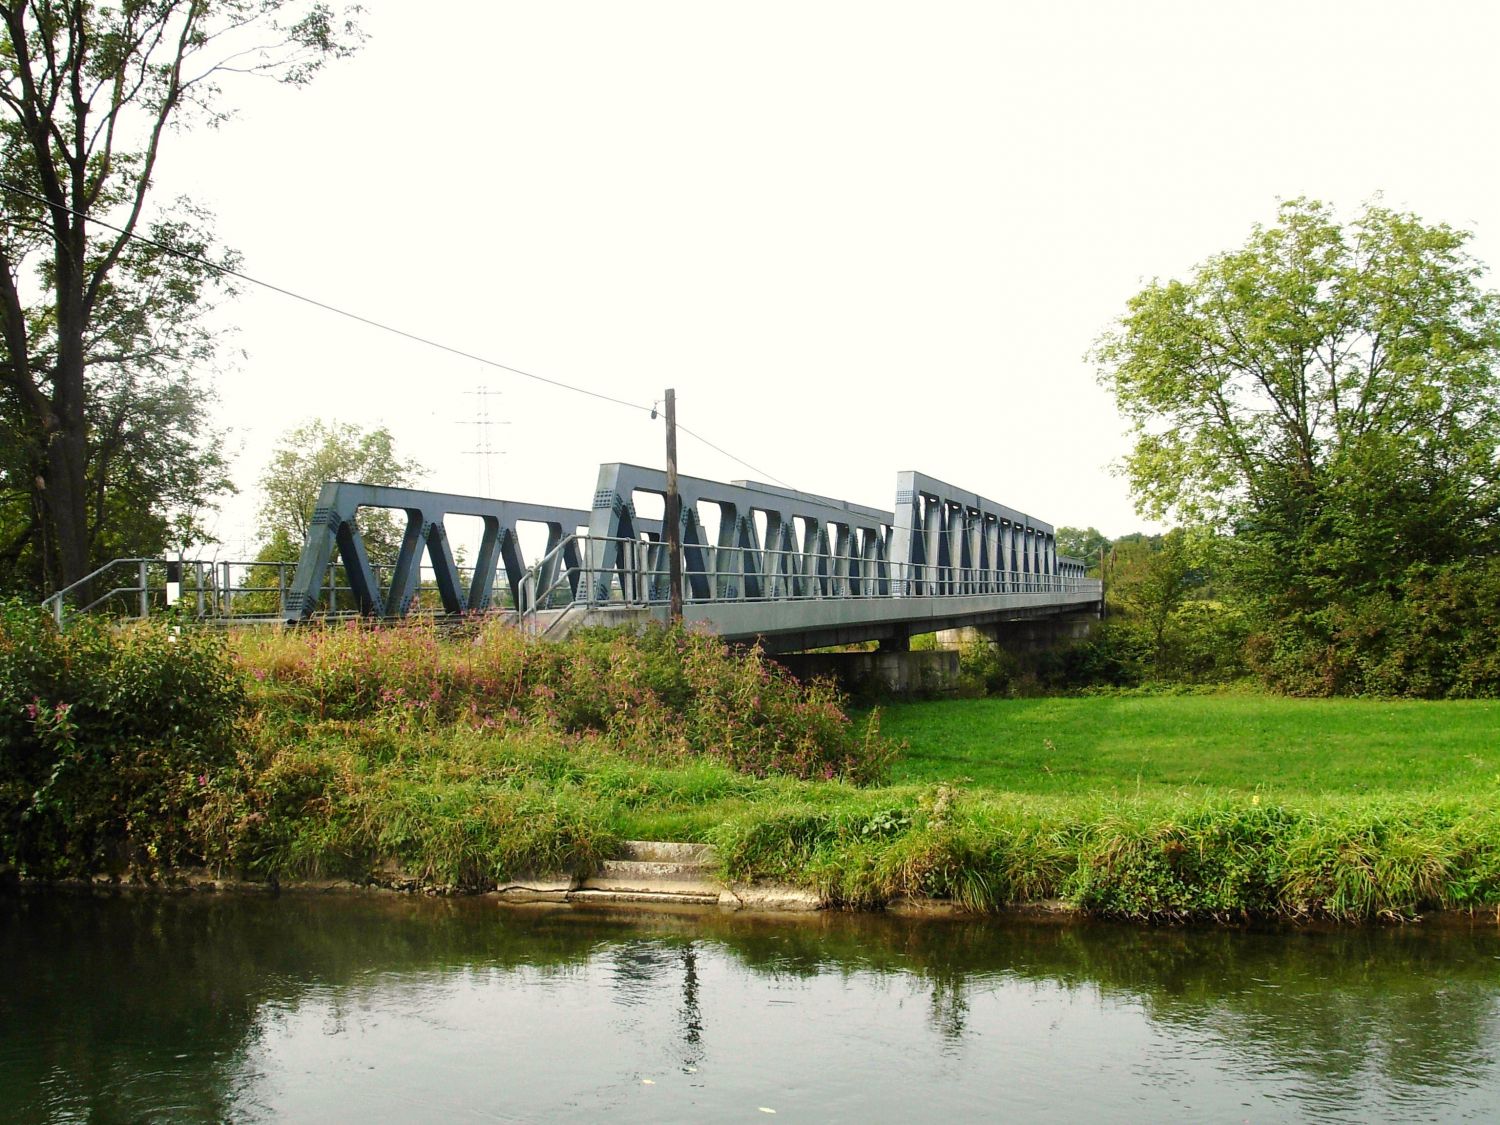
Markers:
{"x": 390, "y": 1008}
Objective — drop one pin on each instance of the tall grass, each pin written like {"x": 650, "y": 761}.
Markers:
{"x": 1208, "y": 858}
{"x": 464, "y": 760}
{"x": 668, "y": 695}
{"x": 460, "y": 762}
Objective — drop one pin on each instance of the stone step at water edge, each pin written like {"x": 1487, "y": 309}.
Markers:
{"x": 589, "y": 894}
{"x": 663, "y": 851}
{"x": 653, "y": 869}
{"x": 656, "y": 884}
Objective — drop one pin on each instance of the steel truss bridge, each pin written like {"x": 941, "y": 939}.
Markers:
{"x": 795, "y": 570}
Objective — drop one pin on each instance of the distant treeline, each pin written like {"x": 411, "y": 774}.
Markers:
{"x": 1186, "y": 608}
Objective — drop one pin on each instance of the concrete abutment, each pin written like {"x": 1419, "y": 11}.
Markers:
{"x": 894, "y": 669}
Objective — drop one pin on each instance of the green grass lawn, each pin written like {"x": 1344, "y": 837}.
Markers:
{"x": 1150, "y": 744}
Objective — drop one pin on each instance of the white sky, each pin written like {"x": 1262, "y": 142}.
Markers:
{"x": 856, "y": 237}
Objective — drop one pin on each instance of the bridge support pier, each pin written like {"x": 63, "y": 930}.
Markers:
{"x": 882, "y": 673}
{"x": 1039, "y": 634}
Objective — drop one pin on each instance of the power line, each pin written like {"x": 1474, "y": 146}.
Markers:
{"x": 731, "y": 456}
{"x": 365, "y": 320}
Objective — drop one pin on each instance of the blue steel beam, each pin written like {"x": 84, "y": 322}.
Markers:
{"x": 335, "y": 529}
{"x": 777, "y": 556}
{"x": 840, "y": 551}
{"x": 948, "y": 541}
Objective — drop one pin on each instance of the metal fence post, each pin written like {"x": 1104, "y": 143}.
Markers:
{"x": 145, "y": 603}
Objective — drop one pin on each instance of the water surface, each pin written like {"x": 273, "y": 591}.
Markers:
{"x": 337, "y": 1008}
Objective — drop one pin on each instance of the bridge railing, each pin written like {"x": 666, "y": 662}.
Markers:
{"x": 637, "y": 575}
{"x": 223, "y": 590}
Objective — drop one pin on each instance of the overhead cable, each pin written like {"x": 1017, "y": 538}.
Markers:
{"x": 370, "y": 322}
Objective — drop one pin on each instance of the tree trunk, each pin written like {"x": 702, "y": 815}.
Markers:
{"x": 67, "y": 504}
{"x": 66, "y": 482}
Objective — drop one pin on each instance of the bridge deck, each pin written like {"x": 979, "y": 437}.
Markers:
{"x": 795, "y": 625}
{"x": 795, "y": 569}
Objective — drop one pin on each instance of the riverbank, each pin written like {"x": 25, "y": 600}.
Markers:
{"x": 778, "y": 900}
{"x": 460, "y": 764}
{"x": 885, "y": 849}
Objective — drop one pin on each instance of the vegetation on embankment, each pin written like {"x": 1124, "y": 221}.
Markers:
{"x": 464, "y": 760}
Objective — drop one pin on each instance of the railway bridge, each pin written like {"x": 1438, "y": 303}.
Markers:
{"x": 794, "y": 570}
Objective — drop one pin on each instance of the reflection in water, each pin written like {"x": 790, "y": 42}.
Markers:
{"x": 691, "y": 1019}
{"x": 205, "y": 1008}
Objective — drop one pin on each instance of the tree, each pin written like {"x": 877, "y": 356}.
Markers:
{"x": 101, "y": 334}
{"x": 1150, "y": 579}
{"x": 1081, "y": 543}
{"x": 313, "y": 454}
{"x": 1327, "y": 394}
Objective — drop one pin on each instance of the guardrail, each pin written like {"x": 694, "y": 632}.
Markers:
{"x": 248, "y": 591}
{"x": 634, "y": 575}
{"x": 637, "y": 576}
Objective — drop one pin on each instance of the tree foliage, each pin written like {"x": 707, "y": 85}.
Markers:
{"x": 1082, "y": 543}
{"x": 1327, "y": 397}
{"x": 1321, "y": 376}
{"x": 313, "y": 454}
{"x": 1151, "y": 580}
{"x": 102, "y": 334}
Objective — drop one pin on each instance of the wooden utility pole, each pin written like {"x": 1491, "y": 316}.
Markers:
{"x": 673, "y": 514}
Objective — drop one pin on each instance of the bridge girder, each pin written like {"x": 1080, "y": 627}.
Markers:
{"x": 786, "y": 565}
{"x": 335, "y": 529}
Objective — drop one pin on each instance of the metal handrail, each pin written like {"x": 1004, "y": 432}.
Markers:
{"x": 867, "y": 580}
{"x": 635, "y": 575}
{"x": 56, "y": 601}
{"x": 208, "y": 584}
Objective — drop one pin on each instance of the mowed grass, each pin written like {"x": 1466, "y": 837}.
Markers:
{"x": 1153, "y": 745}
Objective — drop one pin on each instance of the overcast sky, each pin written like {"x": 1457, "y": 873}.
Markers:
{"x": 856, "y": 237}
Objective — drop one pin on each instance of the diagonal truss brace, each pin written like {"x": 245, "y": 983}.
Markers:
{"x": 948, "y": 541}
{"x": 812, "y": 546}
{"x": 335, "y": 530}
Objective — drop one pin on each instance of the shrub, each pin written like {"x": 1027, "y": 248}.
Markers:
{"x": 666, "y": 694}
{"x": 1434, "y": 634}
{"x": 984, "y": 668}
{"x": 109, "y": 733}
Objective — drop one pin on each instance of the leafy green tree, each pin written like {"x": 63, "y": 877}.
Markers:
{"x": 1320, "y": 363}
{"x": 313, "y": 454}
{"x": 1165, "y": 618}
{"x": 1328, "y": 395}
{"x": 101, "y": 334}
{"x": 1081, "y": 543}
{"x": 1150, "y": 578}
{"x": 304, "y": 460}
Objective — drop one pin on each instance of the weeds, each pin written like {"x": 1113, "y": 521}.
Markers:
{"x": 460, "y": 763}
{"x": 108, "y": 736}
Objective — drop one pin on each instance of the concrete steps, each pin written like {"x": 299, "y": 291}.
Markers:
{"x": 590, "y": 895}
{"x": 658, "y": 873}
{"x": 654, "y": 871}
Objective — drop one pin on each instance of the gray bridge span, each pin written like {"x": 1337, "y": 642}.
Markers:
{"x": 795, "y": 570}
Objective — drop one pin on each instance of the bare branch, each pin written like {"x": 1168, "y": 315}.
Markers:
{"x": 143, "y": 178}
